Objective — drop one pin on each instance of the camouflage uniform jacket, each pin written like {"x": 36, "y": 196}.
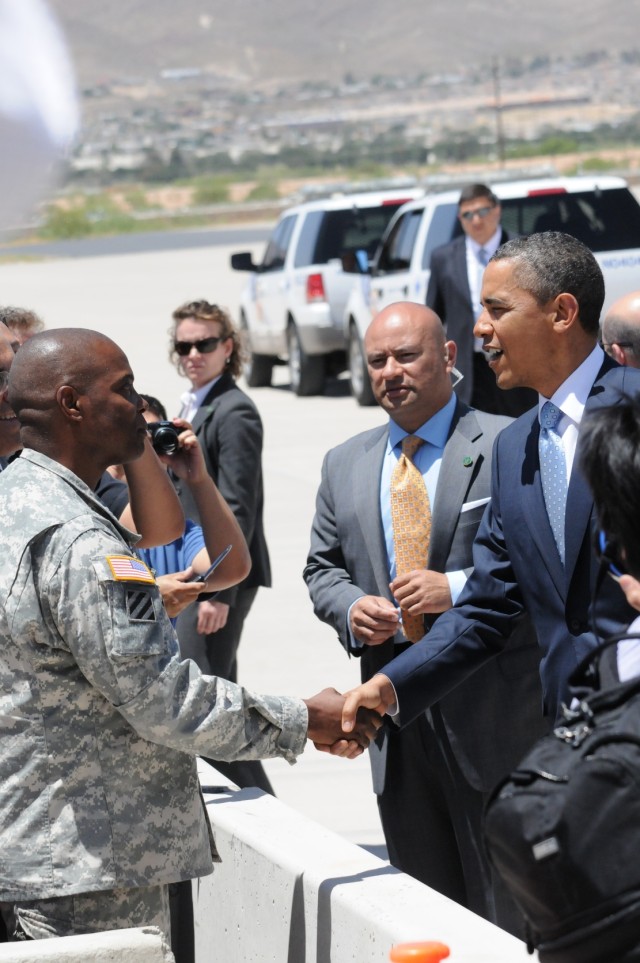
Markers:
{"x": 100, "y": 719}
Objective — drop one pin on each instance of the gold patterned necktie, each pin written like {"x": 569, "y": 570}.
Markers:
{"x": 411, "y": 519}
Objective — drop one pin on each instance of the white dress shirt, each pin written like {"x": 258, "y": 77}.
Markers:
{"x": 190, "y": 401}
{"x": 571, "y": 398}
{"x": 628, "y": 654}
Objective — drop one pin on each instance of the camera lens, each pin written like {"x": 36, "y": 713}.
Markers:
{"x": 164, "y": 437}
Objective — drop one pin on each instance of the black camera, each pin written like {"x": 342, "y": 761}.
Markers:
{"x": 164, "y": 437}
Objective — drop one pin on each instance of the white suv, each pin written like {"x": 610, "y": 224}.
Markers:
{"x": 601, "y": 211}
{"x": 293, "y": 305}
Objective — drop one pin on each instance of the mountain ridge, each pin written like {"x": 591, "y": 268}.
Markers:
{"x": 254, "y": 43}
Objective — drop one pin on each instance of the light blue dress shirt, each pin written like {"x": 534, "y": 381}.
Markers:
{"x": 427, "y": 460}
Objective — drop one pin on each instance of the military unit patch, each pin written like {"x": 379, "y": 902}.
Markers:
{"x": 140, "y": 606}
{"x": 125, "y": 568}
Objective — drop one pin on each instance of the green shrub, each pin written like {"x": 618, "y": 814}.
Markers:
{"x": 61, "y": 223}
{"x": 211, "y": 190}
{"x": 264, "y": 191}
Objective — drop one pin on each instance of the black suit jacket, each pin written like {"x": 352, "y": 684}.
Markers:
{"x": 448, "y": 294}
{"x": 517, "y": 568}
{"x": 229, "y": 430}
{"x": 492, "y": 720}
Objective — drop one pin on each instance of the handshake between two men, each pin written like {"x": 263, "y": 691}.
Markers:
{"x": 327, "y": 711}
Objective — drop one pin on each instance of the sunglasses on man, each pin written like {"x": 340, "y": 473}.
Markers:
{"x": 478, "y": 212}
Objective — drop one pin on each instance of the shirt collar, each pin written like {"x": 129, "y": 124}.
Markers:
{"x": 571, "y": 397}
{"x": 435, "y": 430}
{"x": 196, "y": 396}
{"x": 490, "y": 247}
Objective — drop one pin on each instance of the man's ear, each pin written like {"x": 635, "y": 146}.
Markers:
{"x": 567, "y": 310}
{"x": 68, "y": 402}
{"x": 617, "y": 353}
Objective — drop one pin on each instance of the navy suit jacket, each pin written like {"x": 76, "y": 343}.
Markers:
{"x": 516, "y": 568}
{"x": 448, "y": 294}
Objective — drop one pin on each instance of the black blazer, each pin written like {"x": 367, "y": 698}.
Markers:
{"x": 448, "y": 294}
{"x": 229, "y": 429}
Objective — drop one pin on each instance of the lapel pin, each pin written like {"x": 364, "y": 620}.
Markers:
{"x": 467, "y": 461}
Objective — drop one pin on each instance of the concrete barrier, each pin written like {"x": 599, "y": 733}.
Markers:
{"x": 144, "y": 945}
{"x": 290, "y": 891}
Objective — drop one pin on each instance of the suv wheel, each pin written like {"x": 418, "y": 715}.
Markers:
{"x": 258, "y": 368}
{"x": 360, "y": 383}
{"x": 306, "y": 371}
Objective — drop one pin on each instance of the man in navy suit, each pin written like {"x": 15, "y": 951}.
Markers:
{"x": 542, "y": 296}
{"x": 453, "y": 293}
{"x": 432, "y": 778}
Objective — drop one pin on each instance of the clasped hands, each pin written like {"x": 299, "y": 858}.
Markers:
{"x": 374, "y": 619}
{"x": 325, "y": 725}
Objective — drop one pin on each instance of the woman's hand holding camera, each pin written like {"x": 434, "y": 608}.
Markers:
{"x": 188, "y": 461}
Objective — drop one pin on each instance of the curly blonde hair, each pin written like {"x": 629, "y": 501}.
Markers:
{"x": 203, "y": 311}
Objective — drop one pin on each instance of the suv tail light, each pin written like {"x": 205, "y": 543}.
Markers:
{"x": 396, "y": 201}
{"x": 315, "y": 288}
{"x": 544, "y": 191}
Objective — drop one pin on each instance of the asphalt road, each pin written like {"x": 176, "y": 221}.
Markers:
{"x": 285, "y": 649}
{"x": 137, "y": 243}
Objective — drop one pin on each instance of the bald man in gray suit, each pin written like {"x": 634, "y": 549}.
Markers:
{"x": 431, "y": 778}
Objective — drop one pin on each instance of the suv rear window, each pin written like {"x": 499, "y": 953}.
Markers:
{"x": 328, "y": 234}
{"x": 603, "y": 220}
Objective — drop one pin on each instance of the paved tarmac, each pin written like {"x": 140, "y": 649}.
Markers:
{"x": 285, "y": 650}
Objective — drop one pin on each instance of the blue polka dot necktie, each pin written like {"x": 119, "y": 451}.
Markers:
{"x": 553, "y": 472}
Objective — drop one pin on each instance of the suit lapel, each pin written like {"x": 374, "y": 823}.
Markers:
{"x": 579, "y": 497}
{"x": 366, "y": 495}
{"x": 459, "y": 267}
{"x": 207, "y": 407}
{"x": 454, "y": 480}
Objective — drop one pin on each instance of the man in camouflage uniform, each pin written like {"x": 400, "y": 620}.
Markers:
{"x": 100, "y": 719}
{"x": 9, "y": 428}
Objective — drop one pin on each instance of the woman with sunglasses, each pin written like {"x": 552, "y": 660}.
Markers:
{"x": 206, "y": 349}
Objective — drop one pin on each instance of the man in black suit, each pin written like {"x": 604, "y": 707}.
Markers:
{"x": 454, "y": 294}
{"x": 542, "y": 298}
{"x": 432, "y": 778}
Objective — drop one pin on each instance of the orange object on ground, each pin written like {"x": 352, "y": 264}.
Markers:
{"x": 419, "y": 952}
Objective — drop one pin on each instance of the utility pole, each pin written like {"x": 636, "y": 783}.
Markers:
{"x": 497, "y": 96}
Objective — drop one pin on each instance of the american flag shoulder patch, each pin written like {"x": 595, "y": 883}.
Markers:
{"x": 126, "y": 568}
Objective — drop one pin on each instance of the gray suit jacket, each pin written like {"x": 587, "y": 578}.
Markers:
{"x": 493, "y": 717}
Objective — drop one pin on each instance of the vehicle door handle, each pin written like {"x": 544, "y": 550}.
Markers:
{"x": 405, "y": 290}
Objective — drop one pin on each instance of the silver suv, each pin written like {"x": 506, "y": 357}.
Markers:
{"x": 293, "y": 306}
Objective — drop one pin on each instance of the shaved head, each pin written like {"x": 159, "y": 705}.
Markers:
{"x": 72, "y": 390}
{"x": 53, "y": 358}
{"x": 404, "y": 314}
{"x": 621, "y": 330}
{"x": 409, "y": 362}
{"x": 9, "y": 425}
